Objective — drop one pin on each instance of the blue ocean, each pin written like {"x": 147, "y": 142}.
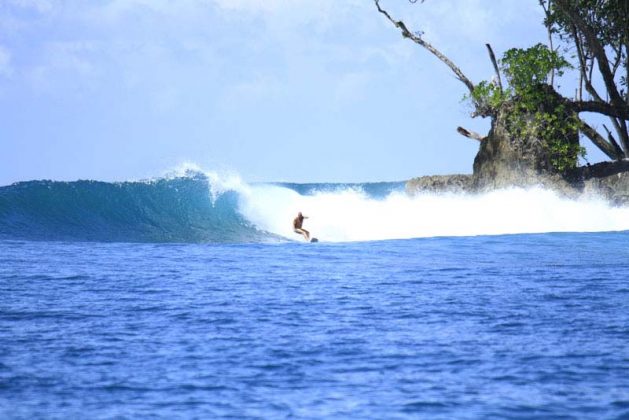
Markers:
{"x": 189, "y": 296}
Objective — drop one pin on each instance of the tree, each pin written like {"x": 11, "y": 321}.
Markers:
{"x": 597, "y": 32}
{"x": 540, "y": 123}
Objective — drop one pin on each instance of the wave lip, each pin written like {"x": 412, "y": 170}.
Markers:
{"x": 177, "y": 209}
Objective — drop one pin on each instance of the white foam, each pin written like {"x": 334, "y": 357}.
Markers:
{"x": 219, "y": 181}
{"x": 350, "y": 215}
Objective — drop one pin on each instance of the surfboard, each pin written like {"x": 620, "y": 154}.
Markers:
{"x": 314, "y": 240}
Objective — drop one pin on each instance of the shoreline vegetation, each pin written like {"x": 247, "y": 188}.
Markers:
{"x": 536, "y": 131}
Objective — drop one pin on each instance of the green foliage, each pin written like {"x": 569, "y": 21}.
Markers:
{"x": 564, "y": 155}
{"x": 525, "y": 68}
{"x": 535, "y": 114}
{"x": 487, "y": 95}
{"x": 555, "y": 129}
{"x": 609, "y": 20}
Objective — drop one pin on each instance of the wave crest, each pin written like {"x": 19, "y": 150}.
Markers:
{"x": 194, "y": 206}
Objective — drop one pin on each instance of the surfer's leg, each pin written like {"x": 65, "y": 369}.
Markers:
{"x": 304, "y": 233}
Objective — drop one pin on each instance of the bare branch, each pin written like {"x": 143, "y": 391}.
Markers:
{"x": 418, "y": 40}
{"x": 618, "y": 52}
{"x": 622, "y": 132}
{"x": 470, "y": 134}
{"x": 495, "y": 63}
{"x": 597, "y": 49}
{"x": 583, "y": 66}
{"x": 613, "y": 141}
{"x": 627, "y": 72}
{"x": 550, "y": 35}
{"x": 604, "y": 108}
{"x": 599, "y": 141}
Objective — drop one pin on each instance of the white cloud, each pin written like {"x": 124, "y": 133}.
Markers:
{"x": 41, "y": 6}
{"x": 259, "y": 89}
{"x": 166, "y": 99}
{"x": 64, "y": 60}
{"x": 5, "y": 62}
{"x": 449, "y": 24}
{"x": 38, "y": 6}
{"x": 254, "y": 5}
{"x": 72, "y": 55}
{"x": 290, "y": 14}
{"x": 351, "y": 87}
{"x": 297, "y": 8}
{"x": 116, "y": 8}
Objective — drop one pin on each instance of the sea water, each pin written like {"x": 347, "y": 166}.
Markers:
{"x": 191, "y": 297}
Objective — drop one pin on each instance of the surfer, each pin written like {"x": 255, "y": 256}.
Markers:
{"x": 297, "y": 223}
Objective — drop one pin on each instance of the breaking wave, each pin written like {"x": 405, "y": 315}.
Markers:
{"x": 204, "y": 207}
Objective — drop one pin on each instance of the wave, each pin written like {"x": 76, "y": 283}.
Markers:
{"x": 204, "y": 207}
{"x": 189, "y": 208}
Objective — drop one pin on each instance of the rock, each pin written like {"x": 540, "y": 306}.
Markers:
{"x": 439, "y": 184}
{"x": 505, "y": 160}
{"x": 607, "y": 180}
{"x": 612, "y": 184}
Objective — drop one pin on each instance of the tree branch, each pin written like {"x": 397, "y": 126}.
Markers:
{"x": 418, "y": 40}
{"x": 550, "y": 35}
{"x": 627, "y": 71}
{"x": 618, "y": 52}
{"x": 470, "y": 134}
{"x": 604, "y": 108}
{"x": 624, "y": 136}
{"x": 492, "y": 57}
{"x": 599, "y": 141}
{"x": 613, "y": 141}
{"x": 596, "y": 48}
{"x": 583, "y": 66}
{"x": 621, "y": 129}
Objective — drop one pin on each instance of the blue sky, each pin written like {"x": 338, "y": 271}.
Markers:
{"x": 274, "y": 90}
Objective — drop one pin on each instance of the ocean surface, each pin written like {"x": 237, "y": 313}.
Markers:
{"x": 190, "y": 297}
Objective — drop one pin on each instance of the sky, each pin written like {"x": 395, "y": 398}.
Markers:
{"x": 271, "y": 90}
